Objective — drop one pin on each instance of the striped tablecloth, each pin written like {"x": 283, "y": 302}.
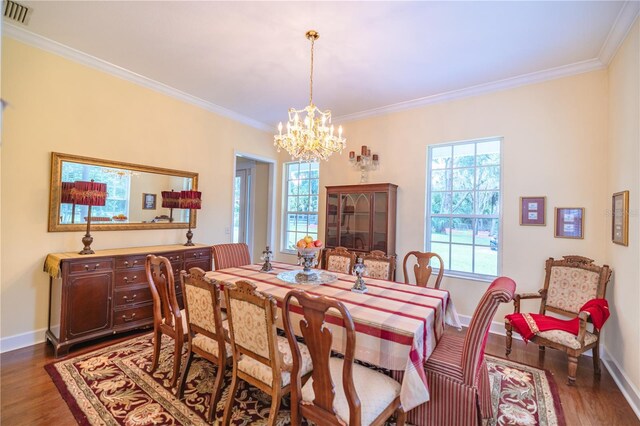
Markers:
{"x": 397, "y": 325}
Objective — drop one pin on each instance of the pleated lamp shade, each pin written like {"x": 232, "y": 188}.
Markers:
{"x": 190, "y": 200}
{"x": 170, "y": 199}
{"x": 66, "y": 196}
{"x": 89, "y": 193}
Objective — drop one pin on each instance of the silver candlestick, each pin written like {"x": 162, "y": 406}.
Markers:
{"x": 266, "y": 256}
{"x": 359, "y": 285}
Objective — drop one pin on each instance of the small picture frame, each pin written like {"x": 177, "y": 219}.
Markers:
{"x": 620, "y": 218}
{"x": 532, "y": 211}
{"x": 148, "y": 201}
{"x": 569, "y": 222}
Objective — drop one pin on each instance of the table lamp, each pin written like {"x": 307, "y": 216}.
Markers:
{"x": 170, "y": 200}
{"x": 190, "y": 200}
{"x": 89, "y": 194}
{"x": 67, "y": 198}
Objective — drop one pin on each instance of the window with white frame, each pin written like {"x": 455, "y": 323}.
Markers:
{"x": 463, "y": 206}
{"x": 302, "y": 187}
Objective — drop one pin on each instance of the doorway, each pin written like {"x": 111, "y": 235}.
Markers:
{"x": 253, "y": 203}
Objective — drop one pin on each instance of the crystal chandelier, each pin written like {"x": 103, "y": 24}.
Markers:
{"x": 310, "y": 134}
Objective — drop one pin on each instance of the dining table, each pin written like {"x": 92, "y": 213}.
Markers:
{"x": 397, "y": 325}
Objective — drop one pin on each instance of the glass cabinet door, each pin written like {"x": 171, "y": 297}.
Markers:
{"x": 379, "y": 232}
{"x": 355, "y": 221}
{"x": 332, "y": 221}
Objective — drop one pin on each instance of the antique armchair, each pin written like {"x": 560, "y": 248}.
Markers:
{"x": 569, "y": 283}
{"x": 421, "y": 268}
{"x": 378, "y": 265}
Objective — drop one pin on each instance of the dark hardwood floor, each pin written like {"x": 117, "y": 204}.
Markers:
{"x": 29, "y": 397}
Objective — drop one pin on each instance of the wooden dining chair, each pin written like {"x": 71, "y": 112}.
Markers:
{"x": 230, "y": 255}
{"x": 339, "y": 259}
{"x": 260, "y": 357}
{"x": 422, "y": 269}
{"x": 456, "y": 371}
{"x": 206, "y": 330}
{"x": 339, "y": 391}
{"x": 378, "y": 265}
{"x": 168, "y": 319}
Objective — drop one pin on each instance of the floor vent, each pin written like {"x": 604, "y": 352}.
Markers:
{"x": 16, "y": 12}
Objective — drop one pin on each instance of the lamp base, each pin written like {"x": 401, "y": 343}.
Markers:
{"x": 87, "y": 240}
{"x": 189, "y": 236}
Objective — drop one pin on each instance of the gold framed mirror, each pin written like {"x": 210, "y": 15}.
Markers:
{"x": 134, "y": 195}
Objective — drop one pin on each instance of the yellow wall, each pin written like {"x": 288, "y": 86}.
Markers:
{"x": 59, "y": 105}
{"x": 622, "y": 333}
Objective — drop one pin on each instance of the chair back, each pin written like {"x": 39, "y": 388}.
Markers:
{"x": 230, "y": 255}
{"x": 572, "y": 281}
{"x": 378, "y": 265}
{"x": 318, "y": 339}
{"x": 501, "y": 290}
{"x": 422, "y": 270}
{"x": 340, "y": 259}
{"x": 166, "y": 310}
{"x": 252, "y": 324}
{"x": 202, "y": 306}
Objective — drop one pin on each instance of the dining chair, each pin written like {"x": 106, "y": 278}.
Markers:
{"x": 569, "y": 283}
{"x": 456, "y": 371}
{"x": 340, "y": 259}
{"x": 260, "y": 357}
{"x": 378, "y": 265}
{"x": 339, "y": 392}
{"x": 168, "y": 319}
{"x": 230, "y": 255}
{"x": 206, "y": 330}
{"x": 422, "y": 269}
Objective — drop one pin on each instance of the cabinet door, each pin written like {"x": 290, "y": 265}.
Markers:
{"x": 379, "y": 231}
{"x": 332, "y": 223}
{"x": 88, "y": 307}
{"x": 355, "y": 223}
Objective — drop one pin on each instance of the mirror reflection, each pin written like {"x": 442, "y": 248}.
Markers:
{"x": 138, "y": 197}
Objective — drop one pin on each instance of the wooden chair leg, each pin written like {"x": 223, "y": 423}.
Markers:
{"x": 185, "y": 373}
{"x": 177, "y": 360}
{"x": 275, "y": 407}
{"x": 216, "y": 393}
{"x": 401, "y": 417}
{"x": 509, "y": 338}
{"x": 573, "y": 367}
{"x": 596, "y": 360}
{"x": 157, "y": 340}
{"x": 226, "y": 418}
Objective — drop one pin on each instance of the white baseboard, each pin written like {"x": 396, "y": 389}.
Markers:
{"x": 626, "y": 386}
{"x": 22, "y": 340}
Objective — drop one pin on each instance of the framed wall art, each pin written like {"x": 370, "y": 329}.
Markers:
{"x": 569, "y": 222}
{"x": 148, "y": 201}
{"x": 532, "y": 211}
{"x": 620, "y": 218}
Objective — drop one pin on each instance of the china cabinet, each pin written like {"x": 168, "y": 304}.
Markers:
{"x": 362, "y": 217}
{"x": 107, "y": 292}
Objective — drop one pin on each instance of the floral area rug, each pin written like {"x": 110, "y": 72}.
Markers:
{"x": 112, "y": 386}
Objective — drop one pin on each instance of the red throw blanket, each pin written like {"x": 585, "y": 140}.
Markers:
{"x": 528, "y": 325}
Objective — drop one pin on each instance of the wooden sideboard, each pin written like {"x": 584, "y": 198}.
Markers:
{"x": 91, "y": 296}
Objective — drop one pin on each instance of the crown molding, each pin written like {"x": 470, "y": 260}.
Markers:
{"x": 621, "y": 27}
{"x": 35, "y": 40}
{"x": 480, "y": 89}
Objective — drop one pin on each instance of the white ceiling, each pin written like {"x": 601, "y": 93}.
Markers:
{"x": 250, "y": 60}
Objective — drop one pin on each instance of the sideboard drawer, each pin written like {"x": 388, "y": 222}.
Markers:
{"x": 132, "y": 315}
{"x": 174, "y": 258}
{"x": 90, "y": 265}
{"x": 127, "y": 296}
{"x": 137, "y": 276}
{"x": 130, "y": 262}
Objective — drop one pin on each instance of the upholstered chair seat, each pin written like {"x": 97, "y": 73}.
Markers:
{"x": 184, "y": 320}
{"x": 209, "y": 345}
{"x": 565, "y": 338}
{"x": 264, "y": 373}
{"x": 375, "y": 390}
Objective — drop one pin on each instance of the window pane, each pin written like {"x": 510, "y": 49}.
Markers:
{"x": 462, "y": 203}
{"x": 291, "y": 222}
{"x": 443, "y": 250}
{"x": 441, "y": 180}
{"x": 441, "y": 157}
{"x": 293, "y": 187}
{"x": 440, "y": 227}
{"x": 304, "y": 187}
{"x": 461, "y": 258}
{"x": 463, "y": 155}
{"x": 488, "y": 178}
{"x": 488, "y": 203}
{"x": 291, "y": 241}
{"x": 292, "y": 170}
{"x": 440, "y": 202}
{"x": 486, "y": 230}
{"x": 486, "y": 261}
{"x": 292, "y": 204}
{"x": 315, "y": 170}
{"x": 463, "y": 179}
{"x": 462, "y": 231}
{"x": 488, "y": 152}
{"x": 313, "y": 204}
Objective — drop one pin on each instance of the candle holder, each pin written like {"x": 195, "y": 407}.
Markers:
{"x": 364, "y": 162}
{"x": 266, "y": 256}
{"x": 359, "y": 286}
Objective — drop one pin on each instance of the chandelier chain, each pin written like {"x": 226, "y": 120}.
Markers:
{"x": 311, "y": 78}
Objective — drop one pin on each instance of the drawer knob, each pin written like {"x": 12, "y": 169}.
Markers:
{"x": 126, "y": 279}
{"x": 127, "y": 319}
{"x": 132, "y": 297}
{"x": 129, "y": 265}
{"x": 96, "y": 266}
